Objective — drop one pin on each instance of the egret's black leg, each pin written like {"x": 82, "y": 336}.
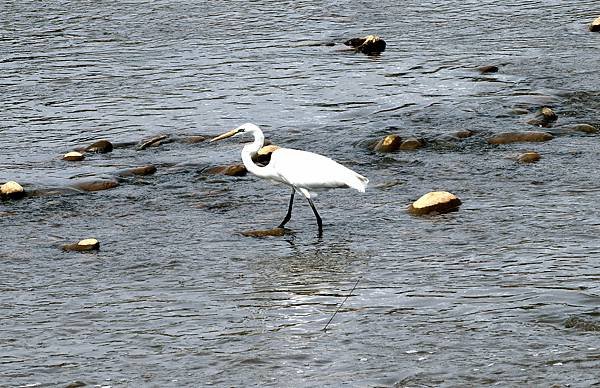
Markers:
{"x": 319, "y": 222}
{"x": 289, "y": 212}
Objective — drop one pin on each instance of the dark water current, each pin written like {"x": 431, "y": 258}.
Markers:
{"x": 177, "y": 297}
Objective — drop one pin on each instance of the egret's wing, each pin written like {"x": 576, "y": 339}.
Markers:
{"x": 313, "y": 171}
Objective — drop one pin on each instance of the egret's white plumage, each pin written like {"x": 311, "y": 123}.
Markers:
{"x": 304, "y": 171}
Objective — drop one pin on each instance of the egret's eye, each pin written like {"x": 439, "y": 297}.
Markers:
{"x": 241, "y": 130}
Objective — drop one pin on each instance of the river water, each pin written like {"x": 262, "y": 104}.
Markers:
{"x": 176, "y": 296}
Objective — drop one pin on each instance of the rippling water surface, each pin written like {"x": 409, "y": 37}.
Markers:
{"x": 178, "y": 297}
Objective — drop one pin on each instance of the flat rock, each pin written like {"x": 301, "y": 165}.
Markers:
{"x": 436, "y": 202}
{"x": 520, "y": 137}
{"x": 96, "y": 185}
{"x": 595, "y": 25}
{"x": 585, "y": 128}
{"x": 141, "y": 171}
{"x": 90, "y": 244}
{"x": 232, "y": 170}
{"x": 12, "y": 190}
{"x": 155, "y": 142}
{"x": 370, "y": 44}
{"x": 412, "y": 143}
{"x": 488, "y": 69}
{"x": 529, "y": 157}
{"x": 193, "y": 139}
{"x": 101, "y": 147}
{"x": 390, "y": 143}
{"x": 463, "y": 134}
{"x": 73, "y": 156}
{"x": 275, "y": 232}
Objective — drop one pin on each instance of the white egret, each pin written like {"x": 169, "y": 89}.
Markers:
{"x": 304, "y": 171}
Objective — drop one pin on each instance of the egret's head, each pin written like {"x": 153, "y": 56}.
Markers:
{"x": 245, "y": 128}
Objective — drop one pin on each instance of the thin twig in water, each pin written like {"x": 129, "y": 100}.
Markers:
{"x": 344, "y": 301}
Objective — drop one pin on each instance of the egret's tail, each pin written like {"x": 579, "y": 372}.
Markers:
{"x": 359, "y": 183}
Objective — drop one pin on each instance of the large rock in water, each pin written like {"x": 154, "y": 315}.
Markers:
{"x": 11, "y": 190}
{"x": 233, "y": 170}
{"x": 529, "y": 157}
{"x": 89, "y": 244}
{"x": 101, "y": 147}
{"x": 73, "y": 156}
{"x": 141, "y": 171}
{"x": 518, "y": 137}
{"x": 595, "y": 25}
{"x": 435, "y": 202}
{"x": 412, "y": 143}
{"x": 96, "y": 185}
{"x": 390, "y": 143}
{"x": 275, "y": 232}
{"x": 370, "y": 44}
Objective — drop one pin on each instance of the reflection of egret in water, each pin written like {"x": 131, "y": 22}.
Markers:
{"x": 304, "y": 289}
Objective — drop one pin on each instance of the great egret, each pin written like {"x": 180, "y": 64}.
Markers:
{"x": 304, "y": 171}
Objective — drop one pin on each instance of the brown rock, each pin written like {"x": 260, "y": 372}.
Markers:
{"x": 529, "y": 157}
{"x": 370, "y": 44}
{"x": 518, "y": 137}
{"x": 73, "y": 156}
{"x": 154, "y": 142}
{"x": 412, "y": 143}
{"x": 11, "y": 190}
{"x": 463, "y": 134}
{"x": 544, "y": 118}
{"x": 193, "y": 139}
{"x": 488, "y": 69}
{"x": 435, "y": 202}
{"x": 276, "y": 232}
{"x": 233, "y": 170}
{"x": 585, "y": 128}
{"x": 595, "y": 25}
{"x": 143, "y": 170}
{"x": 390, "y": 143}
{"x": 101, "y": 147}
{"x": 96, "y": 185}
{"x": 90, "y": 244}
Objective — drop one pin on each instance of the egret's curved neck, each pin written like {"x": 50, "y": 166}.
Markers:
{"x": 250, "y": 150}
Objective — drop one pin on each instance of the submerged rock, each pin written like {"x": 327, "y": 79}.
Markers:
{"x": 488, "y": 69}
{"x": 518, "y": 137}
{"x": 595, "y": 25}
{"x": 193, "y": 139}
{"x": 11, "y": 190}
{"x": 435, "y": 202}
{"x": 101, "y": 147}
{"x": 463, "y": 134}
{"x": 96, "y": 185}
{"x": 143, "y": 170}
{"x": 232, "y": 170}
{"x": 90, "y": 244}
{"x": 370, "y": 44}
{"x": 390, "y": 143}
{"x": 73, "y": 156}
{"x": 412, "y": 143}
{"x": 275, "y": 232}
{"x": 155, "y": 142}
{"x": 582, "y": 324}
{"x": 585, "y": 128}
{"x": 529, "y": 157}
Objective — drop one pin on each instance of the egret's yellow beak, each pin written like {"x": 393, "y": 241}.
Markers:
{"x": 225, "y": 135}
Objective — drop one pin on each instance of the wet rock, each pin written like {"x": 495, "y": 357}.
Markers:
{"x": 595, "y": 25}
{"x": 275, "y": 232}
{"x": 193, "y": 139}
{"x": 435, "y": 202}
{"x": 263, "y": 156}
{"x": 529, "y": 157}
{"x": 463, "y": 134}
{"x": 390, "y": 143}
{"x": 585, "y": 128}
{"x": 488, "y": 69}
{"x": 520, "y": 111}
{"x": 90, "y": 244}
{"x": 101, "y": 147}
{"x": 142, "y": 171}
{"x": 76, "y": 384}
{"x": 233, "y": 170}
{"x": 96, "y": 185}
{"x": 544, "y": 118}
{"x": 519, "y": 137}
{"x": 412, "y": 143}
{"x": 73, "y": 156}
{"x": 155, "y": 142}
{"x": 370, "y": 44}
{"x": 11, "y": 190}
{"x": 582, "y": 324}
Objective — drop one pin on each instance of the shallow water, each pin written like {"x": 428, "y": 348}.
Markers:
{"x": 177, "y": 297}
